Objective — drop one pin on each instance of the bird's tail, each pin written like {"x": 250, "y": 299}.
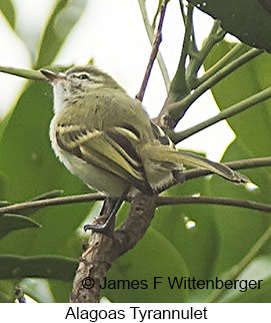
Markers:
{"x": 189, "y": 159}
{"x": 194, "y": 160}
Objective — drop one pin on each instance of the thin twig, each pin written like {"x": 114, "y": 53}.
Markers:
{"x": 156, "y": 13}
{"x": 213, "y": 200}
{"x": 175, "y": 111}
{"x": 150, "y": 33}
{"x": 178, "y": 87}
{"x": 19, "y": 207}
{"x": 227, "y": 113}
{"x": 215, "y": 36}
{"x": 189, "y": 174}
{"x": 221, "y": 63}
{"x": 84, "y": 198}
{"x": 182, "y": 11}
{"x": 154, "y": 52}
{"x": 185, "y": 77}
{"x": 239, "y": 268}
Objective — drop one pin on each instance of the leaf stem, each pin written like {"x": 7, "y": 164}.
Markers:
{"x": 25, "y": 73}
{"x": 162, "y": 201}
{"x": 220, "y": 64}
{"x": 178, "y": 87}
{"x": 176, "y": 110}
{"x": 215, "y": 36}
{"x": 36, "y": 204}
{"x": 227, "y": 113}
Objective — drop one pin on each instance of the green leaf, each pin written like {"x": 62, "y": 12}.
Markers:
{"x": 7, "y": 9}
{"x": 246, "y": 19}
{"x": 30, "y": 168}
{"x": 61, "y": 290}
{"x": 239, "y": 229}
{"x": 12, "y": 222}
{"x": 196, "y": 244}
{"x": 64, "y": 17}
{"x": 170, "y": 249}
{"x": 3, "y": 124}
{"x": 4, "y": 203}
{"x": 244, "y": 82}
{"x": 38, "y": 289}
{"x": 259, "y": 295}
{"x": 154, "y": 256}
{"x": 60, "y": 268}
{"x": 259, "y": 271}
{"x": 7, "y": 291}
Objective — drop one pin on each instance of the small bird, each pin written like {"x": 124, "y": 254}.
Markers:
{"x": 105, "y": 137}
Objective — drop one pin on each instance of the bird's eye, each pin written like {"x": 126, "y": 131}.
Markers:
{"x": 83, "y": 77}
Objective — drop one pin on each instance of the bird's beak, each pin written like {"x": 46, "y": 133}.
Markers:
{"x": 51, "y": 76}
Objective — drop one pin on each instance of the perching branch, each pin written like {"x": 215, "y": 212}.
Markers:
{"x": 155, "y": 48}
{"x": 103, "y": 250}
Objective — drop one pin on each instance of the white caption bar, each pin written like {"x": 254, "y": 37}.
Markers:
{"x": 142, "y": 313}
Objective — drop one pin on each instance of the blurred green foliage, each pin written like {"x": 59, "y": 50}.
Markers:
{"x": 249, "y": 20}
{"x": 46, "y": 244}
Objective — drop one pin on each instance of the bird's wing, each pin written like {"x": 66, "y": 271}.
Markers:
{"x": 111, "y": 150}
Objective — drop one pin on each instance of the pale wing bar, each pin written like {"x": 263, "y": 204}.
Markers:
{"x": 111, "y": 150}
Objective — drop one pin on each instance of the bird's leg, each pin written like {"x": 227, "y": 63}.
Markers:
{"x": 106, "y": 221}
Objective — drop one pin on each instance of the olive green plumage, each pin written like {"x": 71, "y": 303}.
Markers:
{"x": 105, "y": 137}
